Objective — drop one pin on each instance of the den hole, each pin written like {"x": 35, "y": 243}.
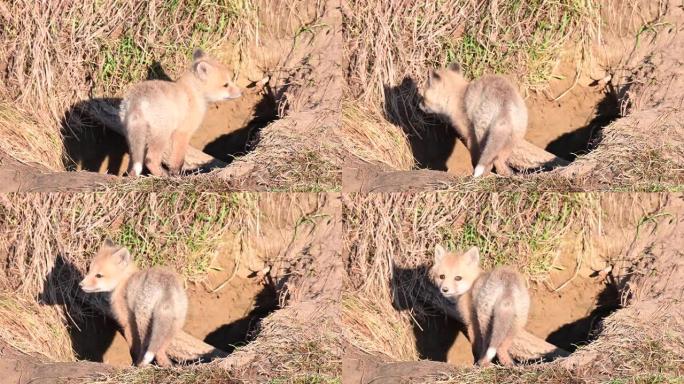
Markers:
{"x": 226, "y": 319}
{"x": 569, "y": 318}
{"x": 568, "y": 127}
{"x": 230, "y": 129}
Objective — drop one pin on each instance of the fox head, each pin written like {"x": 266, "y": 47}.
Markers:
{"x": 442, "y": 89}
{"x": 454, "y": 273}
{"x": 215, "y": 79}
{"x": 109, "y": 267}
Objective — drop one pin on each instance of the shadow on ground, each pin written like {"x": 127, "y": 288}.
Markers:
{"x": 91, "y": 336}
{"x": 587, "y": 138}
{"x": 432, "y": 141}
{"x": 229, "y": 336}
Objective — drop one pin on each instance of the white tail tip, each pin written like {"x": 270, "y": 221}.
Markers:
{"x": 491, "y": 352}
{"x": 479, "y": 170}
{"x": 147, "y": 359}
{"x": 137, "y": 169}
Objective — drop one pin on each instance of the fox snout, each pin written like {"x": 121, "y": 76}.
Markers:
{"x": 233, "y": 93}
{"x": 85, "y": 286}
{"x": 422, "y": 107}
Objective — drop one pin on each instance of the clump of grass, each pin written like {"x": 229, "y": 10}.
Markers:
{"x": 374, "y": 326}
{"x": 373, "y": 139}
{"x": 639, "y": 159}
{"x": 37, "y": 145}
{"x": 29, "y": 327}
{"x": 523, "y": 38}
{"x": 303, "y": 153}
{"x": 150, "y": 41}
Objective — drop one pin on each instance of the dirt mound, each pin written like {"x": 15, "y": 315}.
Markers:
{"x": 390, "y": 321}
{"x": 267, "y": 129}
{"x": 260, "y": 269}
{"x": 605, "y": 116}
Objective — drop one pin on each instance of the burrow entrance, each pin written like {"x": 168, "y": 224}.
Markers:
{"x": 225, "y": 317}
{"x": 229, "y": 130}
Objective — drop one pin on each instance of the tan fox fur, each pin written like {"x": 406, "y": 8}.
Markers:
{"x": 488, "y": 113}
{"x": 162, "y": 114}
{"x": 150, "y": 306}
{"x": 494, "y": 304}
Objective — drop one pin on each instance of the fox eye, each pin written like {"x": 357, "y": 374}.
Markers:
{"x": 458, "y": 278}
{"x": 226, "y": 85}
{"x": 441, "y": 277}
{"x": 99, "y": 276}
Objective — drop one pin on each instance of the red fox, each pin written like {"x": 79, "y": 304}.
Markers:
{"x": 150, "y": 306}
{"x": 494, "y": 304}
{"x": 488, "y": 113}
{"x": 161, "y": 114}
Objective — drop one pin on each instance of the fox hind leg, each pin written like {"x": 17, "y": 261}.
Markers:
{"x": 153, "y": 158}
{"x": 501, "y": 161}
{"x": 179, "y": 145}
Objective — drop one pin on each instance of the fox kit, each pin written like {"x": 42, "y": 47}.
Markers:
{"x": 150, "y": 306}
{"x": 488, "y": 113}
{"x": 494, "y": 304}
{"x": 161, "y": 114}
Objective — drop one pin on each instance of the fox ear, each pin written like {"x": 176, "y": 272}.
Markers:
{"x": 455, "y": 67}
{"x": 473, "y": 255}
{"x": 122, "y": 255}
{"x": 201, "y": 69}
{"x": 439, "y": 253}
{"x": 109, "y": 243}
{"x": 197, "y": 54}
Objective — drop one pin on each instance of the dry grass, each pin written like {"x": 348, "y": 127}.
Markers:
{"x": 179, "y": 230}
{"x": 631, "y": 157}
{"x": 373, "y": 139}
{"x": 375, "y": 327}
{"x": 389, "y": 239}
{"x": 303, "y": 158}
{"x": 28, "y": 327}
{"x": 389, "y": 42}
